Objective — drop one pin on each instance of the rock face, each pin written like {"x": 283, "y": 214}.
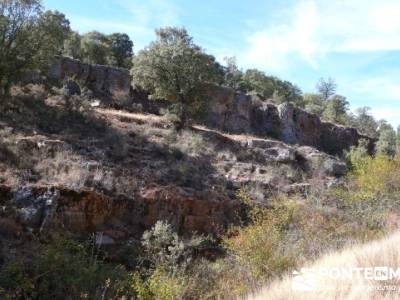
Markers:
{"x": 104, "y": 81}
{"x": 43, "y": 209}
{"x": 240, "y": 113}
{"x": 189, "y": 210}
{"x": 320, "y": 163}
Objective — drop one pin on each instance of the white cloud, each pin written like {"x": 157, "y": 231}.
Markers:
{"x": 382, "y": 94}
{"x": 386, "y": 87}
{"x": 390, "y": 114}
{"x": 312, "y": 28}
{"x": 163, "y": 12}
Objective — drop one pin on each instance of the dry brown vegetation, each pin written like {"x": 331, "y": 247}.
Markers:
{"x": 380, "y": 253}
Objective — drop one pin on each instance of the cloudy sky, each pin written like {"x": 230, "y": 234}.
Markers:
{"x": 357, "y": 42}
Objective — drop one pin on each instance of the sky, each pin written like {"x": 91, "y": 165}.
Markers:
{"x": 356, "y": 42}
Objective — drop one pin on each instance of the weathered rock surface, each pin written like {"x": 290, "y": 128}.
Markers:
{"x": 43, "y": 209}
{"x": 189, "y": 210}
{"x": 266, "y": 166}
{"x": 320, "y": 163}
{"x": 246, "y": 114}
{"x": 104, "y": 81}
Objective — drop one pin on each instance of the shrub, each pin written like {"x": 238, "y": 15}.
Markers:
{"x": 162, "y": 245}
{"x": 121, "y": 99}
{"x": 377, "y": 176}
{"x": 260, "y": 247}
{"x": 357, "y": 154}
{"x": 59, "y": 269}
{"x": 164, "y": 248}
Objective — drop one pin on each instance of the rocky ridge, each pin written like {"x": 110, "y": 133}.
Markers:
{"x": 240, "y": 113}
{"x": 228, "y": 110}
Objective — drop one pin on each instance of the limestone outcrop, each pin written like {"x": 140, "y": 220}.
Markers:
{"x": 104, "y": 81}
{"x": 240, "y": 113}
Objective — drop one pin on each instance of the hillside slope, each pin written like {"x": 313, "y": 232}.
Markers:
{"x": 105, "y": 177}
{"x": 141, "y": 159}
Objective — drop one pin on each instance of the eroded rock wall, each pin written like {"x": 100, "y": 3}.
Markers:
{"x": 49, "y": 209}
{"x": 102, "y": 80}
{"x": 240, "y": 113}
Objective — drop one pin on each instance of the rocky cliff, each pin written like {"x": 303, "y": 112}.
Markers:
{"x": 102, "y": 80}
{"x": 228, "y": 110}
{"x": 49, "y": 209}
{"x": 240, "y": 113}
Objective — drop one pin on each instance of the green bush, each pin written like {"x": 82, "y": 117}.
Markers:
{"x": 59, "y": 269}
{"x": 164, "y": 248}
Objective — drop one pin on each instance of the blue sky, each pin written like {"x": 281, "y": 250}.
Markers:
{"x": 356, "y": 42}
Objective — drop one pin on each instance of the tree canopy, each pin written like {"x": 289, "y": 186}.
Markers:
{"x": 173, "y": 67}
{"x": 29, "y": 38}
{"x": 97, "y": 48}
{"x": 387, "y": 139}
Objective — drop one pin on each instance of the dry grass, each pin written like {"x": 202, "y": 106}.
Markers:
{"x": 65, "y": 168}
{"x": 233, "y": 137}
{"x": 134, "y": 117}
{"x": 381, "y": 253}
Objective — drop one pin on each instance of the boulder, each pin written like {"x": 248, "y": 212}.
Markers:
{"x": 226, "y": 114}
{"x": 320, "y": 163}
{"x": 273, "y": 151}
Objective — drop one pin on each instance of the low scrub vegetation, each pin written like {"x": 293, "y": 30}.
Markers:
{"x": 275, "y": 240}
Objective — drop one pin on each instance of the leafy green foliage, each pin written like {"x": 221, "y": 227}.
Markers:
{"x": 176, "y": 69}
{"x": 30, "y": 38}
{"x": 336, "y": 109}
{"x": 97, "y": 48}
{"x": 269, "y": 87}
{"x": 60, "y": 268}
{"x": 72, "y": 46}
{"x": 386, "y": 144}
{"x": 314, "y": 104}
{"x": 121, "y": 50}
{"x": 164, "y": 248}
{"x": 53, "y": 29}
{"x": 365, "y": 122}
{"x": 94, "y": 48}
{"x": 232, "y": 74}
{"x": 356, "y": 155}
